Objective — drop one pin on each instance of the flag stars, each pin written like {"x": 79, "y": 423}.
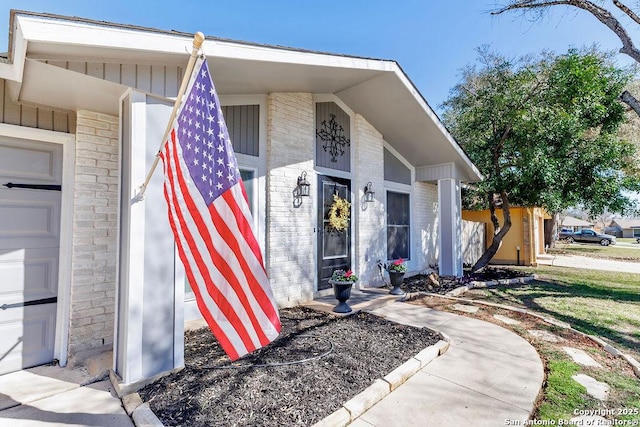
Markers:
{"x": 205, "y": 140}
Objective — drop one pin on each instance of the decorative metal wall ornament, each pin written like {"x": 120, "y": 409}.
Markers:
{"x": 332, "y": 136}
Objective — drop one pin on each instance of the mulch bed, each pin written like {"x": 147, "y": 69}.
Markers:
{"x": 211, "y": 390}
{"x": 424, "y": 282}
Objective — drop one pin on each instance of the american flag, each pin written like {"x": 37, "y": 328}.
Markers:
{"x": 211, "y": 222}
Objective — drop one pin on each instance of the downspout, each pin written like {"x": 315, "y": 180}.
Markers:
{"x": 533, "y": 257}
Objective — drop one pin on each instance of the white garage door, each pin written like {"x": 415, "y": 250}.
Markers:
{"x": 30, "y": 179}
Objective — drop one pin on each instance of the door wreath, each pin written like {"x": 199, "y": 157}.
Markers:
{"x": 339, "y": 213}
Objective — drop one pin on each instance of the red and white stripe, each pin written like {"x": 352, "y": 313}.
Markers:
{"x": 222, "y": 259}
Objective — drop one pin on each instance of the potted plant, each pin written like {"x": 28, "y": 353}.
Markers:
{"x": 396, "y": 270}
{"x": 342, "y": 281}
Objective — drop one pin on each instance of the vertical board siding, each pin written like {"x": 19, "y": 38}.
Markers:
{"x": 342, "y": 162}
{"x": 23, "y": 115}
{"x": 395, "y": 170}
{"x": 156, "y": 79}
{"x": 243, "y": 122}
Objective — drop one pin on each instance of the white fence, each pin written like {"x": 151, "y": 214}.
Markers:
{"x": 473, "y": 241}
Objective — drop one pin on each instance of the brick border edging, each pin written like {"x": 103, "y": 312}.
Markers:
{"x": 635, "y": 365}
{"x": 381, "y": 387}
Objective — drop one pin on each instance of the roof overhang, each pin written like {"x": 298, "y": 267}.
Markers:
{"x": 377, "y": 89}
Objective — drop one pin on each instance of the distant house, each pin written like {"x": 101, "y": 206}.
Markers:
{"x": 624, "y": 228}
{"x": 575, "y": 224}
{"x": 524, "y": 241}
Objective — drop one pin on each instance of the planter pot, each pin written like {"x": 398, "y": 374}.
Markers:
{"x": 396, "y": 280}
{"x": 342, "y": 292}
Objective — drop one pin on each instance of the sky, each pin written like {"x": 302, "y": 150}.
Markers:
{"x": 432, "y": 40}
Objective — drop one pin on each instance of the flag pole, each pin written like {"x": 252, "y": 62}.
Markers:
{"x": 198, "y": 39}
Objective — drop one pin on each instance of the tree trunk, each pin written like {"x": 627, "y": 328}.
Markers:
{"x": 498, "y": 234}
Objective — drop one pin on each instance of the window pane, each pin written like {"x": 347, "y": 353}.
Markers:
{"x": 249, "y": 184}
{"x": 397, "y": 209}
{"x": 398, "y": 226}
{"x": 397, "y": 243}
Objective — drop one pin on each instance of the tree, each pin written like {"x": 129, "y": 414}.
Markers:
{"x": 543, "y": 133}
{"x": 538, "y": 7}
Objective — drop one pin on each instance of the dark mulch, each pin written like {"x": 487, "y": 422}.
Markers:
{"x": 211, "y": 390}
{"x": 424, "y": 282}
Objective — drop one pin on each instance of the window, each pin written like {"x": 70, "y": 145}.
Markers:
{"x": 636, "y": 232}
{"x": 398, "y": 227}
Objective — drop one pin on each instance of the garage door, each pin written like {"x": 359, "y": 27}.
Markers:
{"x": 30, "y": 179}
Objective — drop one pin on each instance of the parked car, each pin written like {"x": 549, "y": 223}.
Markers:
{"x": 591, "y": 236}
{"x": 564, "y": 233}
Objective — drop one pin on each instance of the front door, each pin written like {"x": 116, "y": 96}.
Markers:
{"x": 334, "y": 247}
{"x": 30, "y": 179}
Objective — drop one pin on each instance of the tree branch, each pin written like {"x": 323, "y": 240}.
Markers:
{"x": 631, "y": 101}
{"x": 630, "y": 13}
{"x": 600, "y": 13}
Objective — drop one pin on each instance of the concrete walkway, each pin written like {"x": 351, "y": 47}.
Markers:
{"x": 577, "y": 261}
{"x": 54, "y": 396}
{"x": 488, "y": 375}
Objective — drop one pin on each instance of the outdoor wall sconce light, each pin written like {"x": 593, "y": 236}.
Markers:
{"x": 368, "y": 193}
{"x": 303, "y": 185}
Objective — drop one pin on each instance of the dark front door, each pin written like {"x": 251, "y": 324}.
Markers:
{"x": 334, "y": 247}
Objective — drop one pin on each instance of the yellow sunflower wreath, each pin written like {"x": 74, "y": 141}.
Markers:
{"x": 339, "y": 213}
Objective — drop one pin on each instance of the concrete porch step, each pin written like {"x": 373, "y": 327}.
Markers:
{"x": 366, "y": 299}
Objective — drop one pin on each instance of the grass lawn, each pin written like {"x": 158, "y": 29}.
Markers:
{"x": 616, "y": 252}
{"x": 600, "y": 303}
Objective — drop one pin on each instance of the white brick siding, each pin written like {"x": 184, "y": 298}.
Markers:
{"x": 369, "y": 218}
{"x": 95, "y": 221}
{"x": 424, "y": 235}
{"x": 290, "y": 239}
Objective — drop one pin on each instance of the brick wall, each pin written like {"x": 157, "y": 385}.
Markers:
{"x": 290, "y": 236}
{"x": 95, "y": 212}
{"x": 369, "y": 218}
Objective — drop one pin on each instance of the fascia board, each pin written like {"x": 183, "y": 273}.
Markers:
{"x": 474, "y": 174}
{"x": 18, "y": 51}
{"x": 104, "y": 38}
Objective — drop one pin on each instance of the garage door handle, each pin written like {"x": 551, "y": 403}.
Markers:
{"x": 49, "y": 187}
{"x": 27, "y": 303}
